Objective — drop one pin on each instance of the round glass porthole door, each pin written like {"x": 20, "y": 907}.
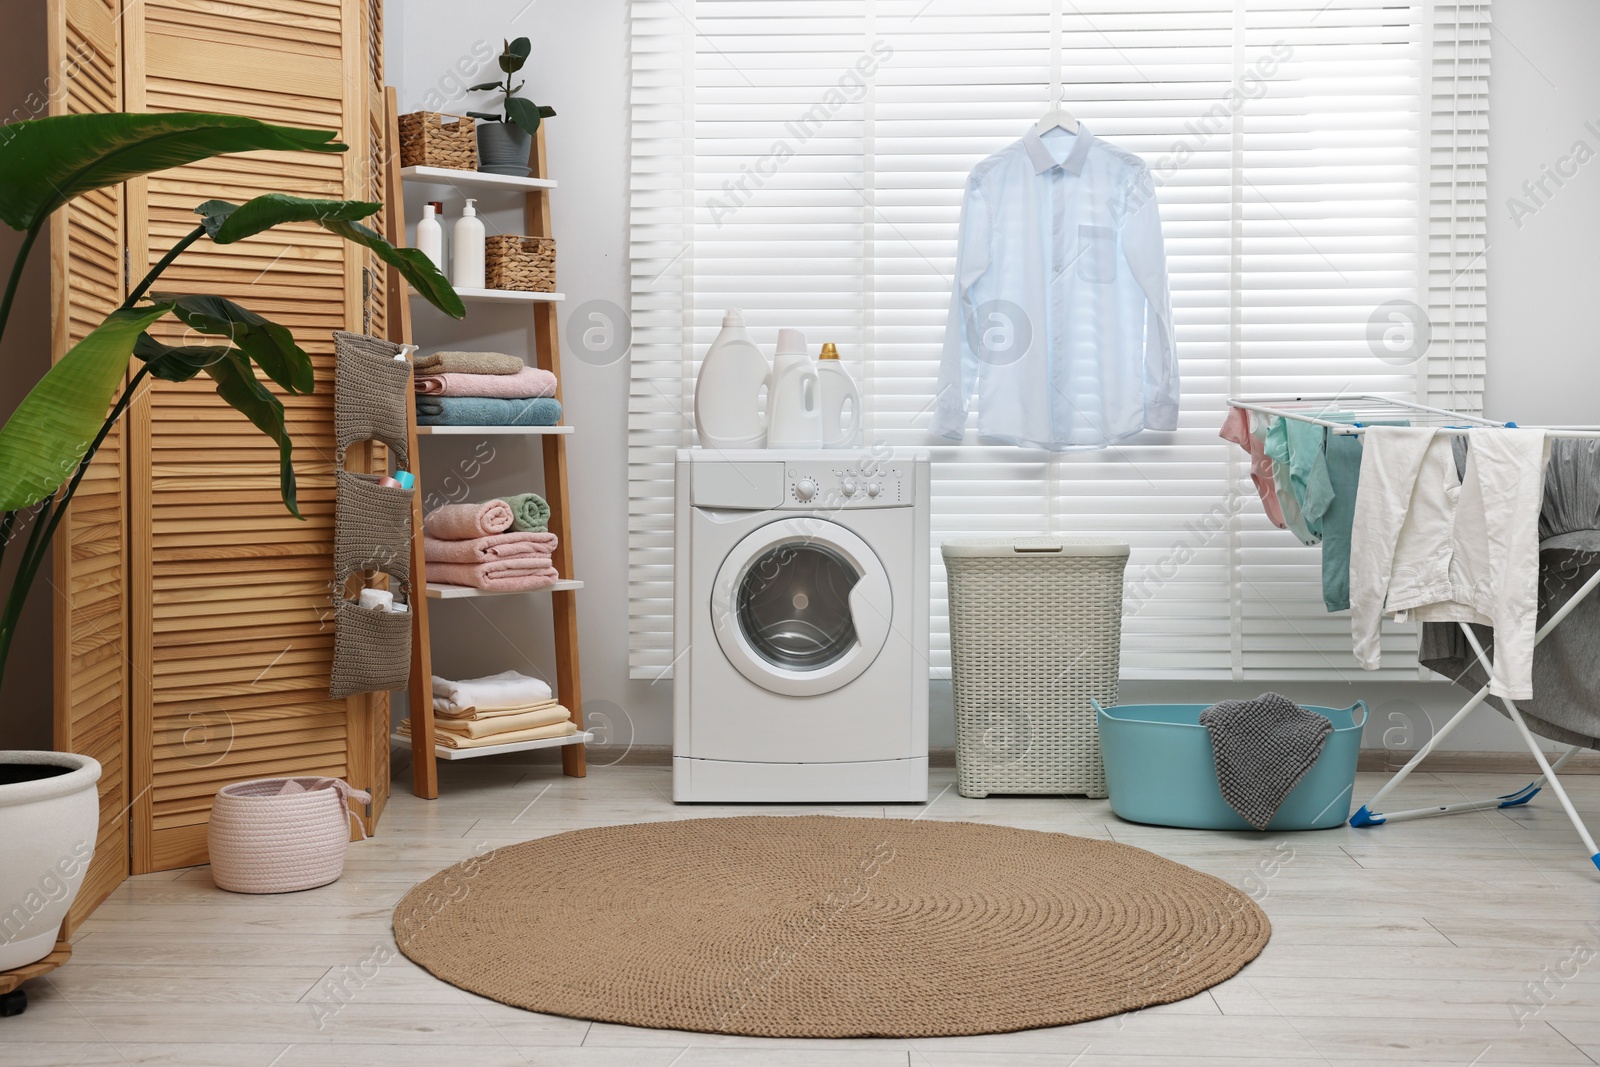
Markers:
{"x": 801, "y": 606}
{"x": 794, "y": 606}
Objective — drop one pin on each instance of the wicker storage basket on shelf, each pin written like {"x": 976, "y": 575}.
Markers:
{"x": 426, "y": 140}
{"x": 1035, "y": 634}
{"x": 264, "y": 840}
{"x": 524, "y": 263}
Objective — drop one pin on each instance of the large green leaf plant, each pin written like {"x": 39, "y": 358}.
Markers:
{"x": 49, "y": 441}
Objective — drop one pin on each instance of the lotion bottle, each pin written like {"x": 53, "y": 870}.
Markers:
{"x": 466, "y": 260}
{"x": 430, "y": 237}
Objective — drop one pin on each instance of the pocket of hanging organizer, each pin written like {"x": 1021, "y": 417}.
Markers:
{"x": 371, "y": 392}
{"x": 372, "y": 528}
{"x": 371, "y": 649}
{"x": 1097, "y": 254}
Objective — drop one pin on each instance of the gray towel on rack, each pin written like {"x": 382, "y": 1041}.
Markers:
{"x": 1566, "y": 665}
{"x": 1262, "y": 748}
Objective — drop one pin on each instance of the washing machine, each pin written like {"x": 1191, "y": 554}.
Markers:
{"x": 800, "y": 626}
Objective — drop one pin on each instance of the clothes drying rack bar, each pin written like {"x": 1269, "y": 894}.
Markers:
{"x": 1354, "y": 411}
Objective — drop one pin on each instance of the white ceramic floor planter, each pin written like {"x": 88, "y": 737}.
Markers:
{"x": 48, "y": 826}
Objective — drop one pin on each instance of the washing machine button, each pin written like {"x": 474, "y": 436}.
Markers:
{"x": 849, "y": 488}
{"x": 805, "y": 489}
{"x": 873, "y": 488}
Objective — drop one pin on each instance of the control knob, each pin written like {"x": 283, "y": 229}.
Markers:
{"x": 849, "y": 488}
{"x": 805, "y": 489}
{"x": 873, "y": 488}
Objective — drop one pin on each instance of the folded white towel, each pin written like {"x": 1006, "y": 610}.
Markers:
{"x": 504, "y": 690}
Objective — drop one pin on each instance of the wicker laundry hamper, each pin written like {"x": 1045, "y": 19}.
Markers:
{"x": 280, "y": 835}
{"x": 1035, "y": 634}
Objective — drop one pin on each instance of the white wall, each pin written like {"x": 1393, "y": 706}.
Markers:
{"x": 1543, "y": 277}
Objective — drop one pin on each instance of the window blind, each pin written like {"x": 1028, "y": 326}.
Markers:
{"x": 1319, "y": 168}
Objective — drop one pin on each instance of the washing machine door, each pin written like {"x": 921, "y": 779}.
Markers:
{"x": 801, "y": 606}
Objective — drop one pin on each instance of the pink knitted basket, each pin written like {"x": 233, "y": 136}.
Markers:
{"x": 265, "y": 840}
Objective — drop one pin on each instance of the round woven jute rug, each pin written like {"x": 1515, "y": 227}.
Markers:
{"x": 817, "y": 926}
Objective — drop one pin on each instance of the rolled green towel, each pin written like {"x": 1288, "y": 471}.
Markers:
{"x": 487, "y": 411}
{"x": 531, "y": 511}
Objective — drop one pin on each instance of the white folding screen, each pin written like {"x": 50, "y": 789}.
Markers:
{"x": 1320, "y": 174}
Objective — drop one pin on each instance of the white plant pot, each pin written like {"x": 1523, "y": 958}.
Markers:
{"x": 49, "y": 819}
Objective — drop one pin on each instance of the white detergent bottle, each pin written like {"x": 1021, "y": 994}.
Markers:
{"x": 838, "y": 390}
{"x": 430, "y": 237}
{"x": 795, "y": 407}
{"x": 466, "y": 262}
{"x": 727, "y": 394}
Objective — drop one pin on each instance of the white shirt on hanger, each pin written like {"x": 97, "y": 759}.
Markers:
{"x": 1061, "y": 319}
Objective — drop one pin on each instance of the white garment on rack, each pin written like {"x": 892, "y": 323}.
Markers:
{"x": 1428, "y": 545}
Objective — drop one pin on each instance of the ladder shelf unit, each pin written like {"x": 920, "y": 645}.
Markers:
{"x": 562, "y": 597}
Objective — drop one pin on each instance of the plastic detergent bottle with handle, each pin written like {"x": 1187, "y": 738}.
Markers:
{"x": 838, "y": 390}
{"x": 795, "y": 404}
{"x": 727, "y": 393}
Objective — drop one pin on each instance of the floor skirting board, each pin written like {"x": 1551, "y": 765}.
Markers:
{"x": 1372, "y": 759}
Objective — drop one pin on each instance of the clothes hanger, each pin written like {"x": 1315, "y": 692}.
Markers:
{"x": 1058, "y": 117}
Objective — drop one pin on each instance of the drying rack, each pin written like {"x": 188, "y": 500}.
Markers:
{"x": 1353, "y": 414}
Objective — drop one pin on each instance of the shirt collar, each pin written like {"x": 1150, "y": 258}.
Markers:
{"x": 1039, "y": 153}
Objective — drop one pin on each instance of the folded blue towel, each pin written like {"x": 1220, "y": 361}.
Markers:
{"x": 487, "y": 411}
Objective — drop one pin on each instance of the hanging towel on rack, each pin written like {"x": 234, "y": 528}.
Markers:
{"x": 1453, "y": 549}
{"x": 1301, "y": 475}
{"x": 1566, "y": 664}
{"x": 1241, "y": 427}
{"x": 1344, "y": 476}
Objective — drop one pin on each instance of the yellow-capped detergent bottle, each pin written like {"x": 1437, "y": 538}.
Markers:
{"x": 841, "y": 401}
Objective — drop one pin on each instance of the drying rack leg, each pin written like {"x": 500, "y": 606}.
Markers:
{"x": 1366, "y": 816}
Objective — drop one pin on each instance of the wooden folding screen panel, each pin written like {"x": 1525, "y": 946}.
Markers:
{"x": 232, "y": 638}
{"x": 91, "y": 546}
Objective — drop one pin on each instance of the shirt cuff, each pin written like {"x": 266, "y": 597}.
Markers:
{"x": 1161, "y": 417}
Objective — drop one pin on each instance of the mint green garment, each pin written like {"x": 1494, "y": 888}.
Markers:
{"x": 1301, "y": 473}
{"x": 1344, "y": 473}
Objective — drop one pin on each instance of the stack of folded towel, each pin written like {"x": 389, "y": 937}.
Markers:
{"x": 498, "y": 545}
{"x": 483, "y": 389}
{"x": 500, "y": 709}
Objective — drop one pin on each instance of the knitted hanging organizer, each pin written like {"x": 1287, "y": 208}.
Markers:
{"x": 817, "y": 926}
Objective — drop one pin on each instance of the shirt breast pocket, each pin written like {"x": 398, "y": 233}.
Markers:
{"x": 1097, "y": 254}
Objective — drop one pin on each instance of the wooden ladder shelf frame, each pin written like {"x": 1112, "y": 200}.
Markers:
{"x": 563, "y": 602}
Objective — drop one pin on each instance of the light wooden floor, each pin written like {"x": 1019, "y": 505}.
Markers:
{"x": 1403, "y": 944}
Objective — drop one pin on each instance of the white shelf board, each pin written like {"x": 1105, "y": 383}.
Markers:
{"x": 440, "y": 591}
{"x": 506, "y": 296}
{"x": 433, "y": 431}
{"x": 448, "y": 176}
{"x": 582, "y": 737}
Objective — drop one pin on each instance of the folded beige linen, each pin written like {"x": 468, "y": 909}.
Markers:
{"x": 503, "y": 724}
{"x": 467, "y": 363}
{"x": 443, "y": 709}
{"x": 537, "y": 733}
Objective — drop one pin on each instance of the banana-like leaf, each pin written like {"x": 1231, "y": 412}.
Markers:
{"x": 178, "y": 363}
{"x": 46, "y": 162}
{"x": 270, "y": 345}
{"x": 414, "y": 266}
{"x": 237, "y": 384}
{"x": 227, "y": 223}
{"x": 48, "y": 435}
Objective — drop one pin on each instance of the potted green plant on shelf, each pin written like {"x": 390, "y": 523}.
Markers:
{"x": 506, "y": 140}
{"x": 49, "y": 808}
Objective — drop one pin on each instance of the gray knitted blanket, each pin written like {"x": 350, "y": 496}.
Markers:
{"x": 1262, "y": 748}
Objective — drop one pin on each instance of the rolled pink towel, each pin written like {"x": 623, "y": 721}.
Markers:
{"x": 499, "y": 575}
{"x": 466, "y": 522}
{"x": 526, "y": 384}
{"x": 495, "y": 546}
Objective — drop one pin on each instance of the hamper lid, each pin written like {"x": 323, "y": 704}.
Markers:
{"x": 1033, "y": 546}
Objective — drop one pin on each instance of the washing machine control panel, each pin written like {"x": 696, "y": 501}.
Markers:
{"x": 869, "y": 484}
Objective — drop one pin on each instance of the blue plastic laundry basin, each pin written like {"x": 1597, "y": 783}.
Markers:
{"x": 1159, "y": 770}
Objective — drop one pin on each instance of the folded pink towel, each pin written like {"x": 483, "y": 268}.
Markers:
{"x": 527, "y": 383}
{"x": 499, "y": 575}
{"x": 495, "y": 546}
{"x": 465, "y": 522}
